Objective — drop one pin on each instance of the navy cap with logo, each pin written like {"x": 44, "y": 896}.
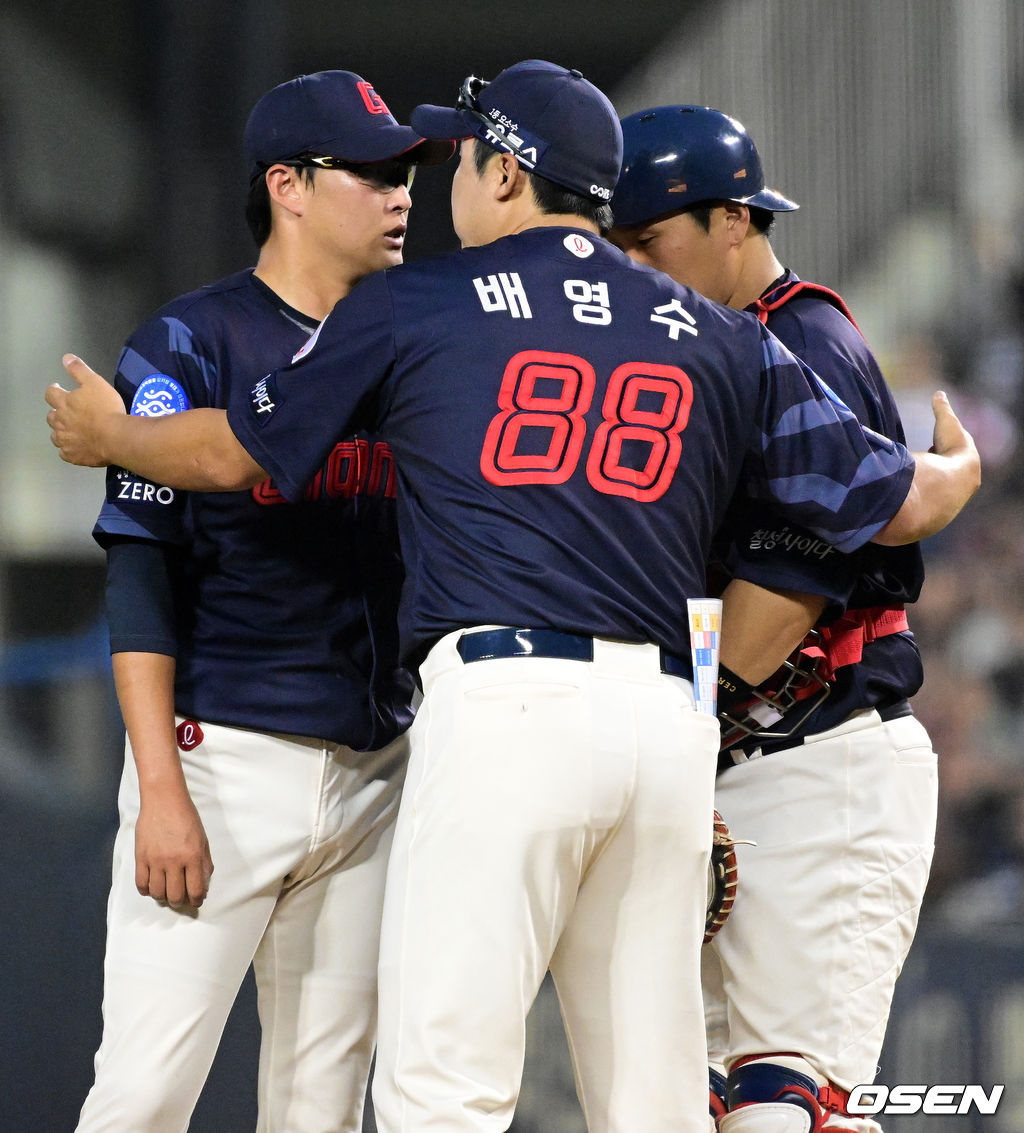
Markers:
{"x": 557, "y": 124}
{"x": 333, "y": 114}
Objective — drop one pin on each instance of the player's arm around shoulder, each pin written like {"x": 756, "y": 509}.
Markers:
{"x": 945, "y": 478}
{"x": 195, "y": 450}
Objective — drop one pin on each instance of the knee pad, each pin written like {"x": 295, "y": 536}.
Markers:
{"x": 716, "y": 1092}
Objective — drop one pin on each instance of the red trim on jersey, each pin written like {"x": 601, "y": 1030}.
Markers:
{"x": 774, "y": 299}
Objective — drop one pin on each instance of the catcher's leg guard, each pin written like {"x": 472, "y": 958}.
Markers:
{"x": 716, "y": 1092}
{"x": 770, "y": 1097}
{"x": 766, "y": 1118}
{"x": 764, "y": 1097}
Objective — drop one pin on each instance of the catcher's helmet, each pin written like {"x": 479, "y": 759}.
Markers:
{"x": 674, "y": 156}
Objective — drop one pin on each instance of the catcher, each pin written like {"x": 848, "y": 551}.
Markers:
{"x": 823, "y": 763}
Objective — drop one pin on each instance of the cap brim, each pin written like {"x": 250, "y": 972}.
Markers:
{"x": 769, "y": 199}
{"x": 396, "y": 141}
{"x": 430, "y": 151}
{"x": 442, "y": 122}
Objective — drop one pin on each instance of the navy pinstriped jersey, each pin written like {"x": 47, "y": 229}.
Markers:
{"x": 286, "y": 611}
{"x": 568, "y": 427}
{"x": 771, "y": 550}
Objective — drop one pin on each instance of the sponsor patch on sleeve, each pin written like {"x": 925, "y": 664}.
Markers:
{"x": 263, "y": 399}
{"x": 157, "y": 396}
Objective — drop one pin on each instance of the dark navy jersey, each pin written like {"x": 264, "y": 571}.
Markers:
{"x": 286, "y": 611}
{"x": 768, "y": 548}
{"x": 568, "y": 427}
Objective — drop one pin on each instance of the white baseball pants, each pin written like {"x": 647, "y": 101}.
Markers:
{"x": 299, "y": 833}
{"x": 828, "y": 900}
{"x": 556, "y": 814}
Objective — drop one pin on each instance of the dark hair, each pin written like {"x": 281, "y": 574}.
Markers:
{"x": 551, "y": 198}
{"x": 257, "y": 205}
{"x": 702, "y": 213}
{"x": 761, "y": 219}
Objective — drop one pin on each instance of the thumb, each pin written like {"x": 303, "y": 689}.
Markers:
{"x": 946, "y": 420}
{"x": 948, "y": 433}
{"x": 78, "y": 370}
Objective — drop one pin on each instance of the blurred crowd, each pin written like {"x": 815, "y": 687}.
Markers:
{"x": 969, "y": 622}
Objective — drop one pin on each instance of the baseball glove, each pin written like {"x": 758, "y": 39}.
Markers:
{"x": 722, "y": 878}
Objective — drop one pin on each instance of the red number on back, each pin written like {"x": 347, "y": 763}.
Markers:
{"x": 657, "y": 428}
{"x": 527, "y": 415}
{"x": 538, "y": 435}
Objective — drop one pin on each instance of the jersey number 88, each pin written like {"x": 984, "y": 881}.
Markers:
{"x": 646, "y": 407}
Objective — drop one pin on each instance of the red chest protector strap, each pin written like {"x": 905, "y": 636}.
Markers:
{"x": 772, "y": 300}
{"x": 842, "y": 643}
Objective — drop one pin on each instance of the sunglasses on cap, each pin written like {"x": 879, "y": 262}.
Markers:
{"x": 384, "y": 176}
{"x": 469, "y": 102}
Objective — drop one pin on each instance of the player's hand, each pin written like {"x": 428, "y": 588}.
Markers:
{"x": 945, "y": 478}
{"x": 77, "y": 416}
{"x": 951, "y": 440}
{"x": 172, "y": 855}
{"x": 949, "y": 437}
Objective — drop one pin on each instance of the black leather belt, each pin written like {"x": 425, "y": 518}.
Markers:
{"x": 490, "y": 644}
{"x": 895, "y": 711}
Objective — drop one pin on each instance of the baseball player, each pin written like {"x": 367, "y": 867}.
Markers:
{"x": 567, "y": 428}
{"x": 839, "y": 792}
{"x": 255, "y": 659}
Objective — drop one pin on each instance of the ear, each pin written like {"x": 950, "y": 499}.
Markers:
{"x": 509, "y": 178}
{"x": 737, "y": 222}
{"x": 287, "y": 188}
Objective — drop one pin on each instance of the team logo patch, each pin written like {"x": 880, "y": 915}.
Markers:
{"x": 579, "y": 245}
{"x": 189, "y": 735}
{"x": 157, "y": 396}
{"x": 263, "y": 398}
{"x": 371, "y": 99}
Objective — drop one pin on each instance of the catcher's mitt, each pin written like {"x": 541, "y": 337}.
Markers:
{"x": 722, "y": 878}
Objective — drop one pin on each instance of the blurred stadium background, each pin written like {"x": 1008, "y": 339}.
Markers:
{"x": 899, "y": 127}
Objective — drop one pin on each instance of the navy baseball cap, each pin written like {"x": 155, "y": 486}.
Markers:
{"x": 333, "y": 114}
{"x": 557, "y": 124}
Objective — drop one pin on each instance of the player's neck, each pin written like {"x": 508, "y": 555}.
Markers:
{"x": 557, "y": 220}
{"x": 312, "y": 287}
{"x": 760, "y": 269}
{"x": 519, "y": 214}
